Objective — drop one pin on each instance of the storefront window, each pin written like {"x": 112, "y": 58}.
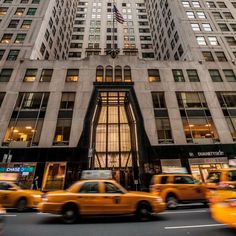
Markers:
{"x": 54, "y": 176}
{"x": 20, "y": 173}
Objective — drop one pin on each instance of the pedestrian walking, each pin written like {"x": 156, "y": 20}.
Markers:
{"x": 35, "y": 183}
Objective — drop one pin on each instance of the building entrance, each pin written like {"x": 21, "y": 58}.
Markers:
{"x": 114, "y": 136}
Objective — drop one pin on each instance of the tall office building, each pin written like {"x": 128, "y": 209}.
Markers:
{"x": 193, "y": 30}
{"x": 166, "y": 101}
{"x": 35, "y": 29}
{"x": 93, "y": 29}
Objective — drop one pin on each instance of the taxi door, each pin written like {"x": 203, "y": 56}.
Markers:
{"x": 115, "y": 200}
{"x": 188, "y": 189}
{"x": 7, "y": 195}
{"x": 90, "y": 198}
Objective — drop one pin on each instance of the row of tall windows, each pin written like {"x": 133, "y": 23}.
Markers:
{"x": 119, "y": 74}
{"x": 27, "y": 119}
{"x": 113, "y": 74}
{"x": 197, "y": 121}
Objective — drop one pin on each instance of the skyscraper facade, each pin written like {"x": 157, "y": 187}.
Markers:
{"x": 167, "y": 101}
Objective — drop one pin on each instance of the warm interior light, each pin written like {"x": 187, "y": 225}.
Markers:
{"x": 191, "y": 125}
{"x": 28, "y": 127}
{"x": 15, "y": 130}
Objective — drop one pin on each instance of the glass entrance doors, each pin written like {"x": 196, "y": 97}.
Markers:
{"x": 113, "y": 134}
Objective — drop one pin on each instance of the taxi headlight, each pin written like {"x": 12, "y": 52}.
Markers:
{"x": 158, "y": 200}
{"x": 36, "y": 195}
{"x": 2, "y": 211}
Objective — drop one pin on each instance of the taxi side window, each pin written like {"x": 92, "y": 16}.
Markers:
{"x": 232, "y": 176}
{"x": 183, "y": 180}
{"x": 213, "y": 177}
{"x": 164, "y": 179}
{"x": 111, "y": 188}
{"x": 89, "y": 187}
{"x": 4, "y": 186}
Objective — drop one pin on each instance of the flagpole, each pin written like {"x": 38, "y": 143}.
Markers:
{"x": 113, "y": 25}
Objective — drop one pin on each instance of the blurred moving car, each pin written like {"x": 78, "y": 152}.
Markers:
{"x": 12, "y": 196}
{"x": 218, "y": 177}
{"x": 178, "y": 188}
{"x": 2, "y": 213}
{"x": 223, "y": 205}
{"x": 100, "y": 197}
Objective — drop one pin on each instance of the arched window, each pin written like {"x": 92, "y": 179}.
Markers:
{"x": 99, "y": 74}
{"x": 109, "y": 74}
{"x": 127, "y": 74}
{"x": 118, "y": 74}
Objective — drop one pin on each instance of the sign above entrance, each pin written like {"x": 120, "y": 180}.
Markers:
{"x": 202, "y": 161}
{"x": 205, "y": 154}
{"x": 16, "y": 169}
{"x": 96, "y": 174}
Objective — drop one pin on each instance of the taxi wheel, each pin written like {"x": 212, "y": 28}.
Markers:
{"x": 172, "y": 202}
{"x": 21, "y": 205}
{"x": 144, "y": 212}
{"x": 70, "y": 214}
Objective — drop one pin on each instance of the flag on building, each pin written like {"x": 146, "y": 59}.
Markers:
{"x": 116, "y": 14}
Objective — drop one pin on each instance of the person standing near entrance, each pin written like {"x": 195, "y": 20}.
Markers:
{"x": 35, "y": 183}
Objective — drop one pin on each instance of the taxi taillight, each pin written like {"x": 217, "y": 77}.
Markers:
{"x": 231, "y": 202}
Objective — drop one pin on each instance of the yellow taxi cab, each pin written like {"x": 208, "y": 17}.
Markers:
{"x": 178, "y": 188}
{"x": 216, "y": 177}
{"x": 12, "y": 196}
{"x": 100, "y": 197}
{"x": 223, "y": 205}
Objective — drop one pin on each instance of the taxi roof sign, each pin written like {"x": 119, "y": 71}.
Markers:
{"x": 96, "y": 174}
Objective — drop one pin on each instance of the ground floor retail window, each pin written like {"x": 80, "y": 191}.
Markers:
{"x": 171, "y": 166}
{"x": 54, "y": 176}
{"x": 201, "y": 171}
{"x": 19, "y": 173}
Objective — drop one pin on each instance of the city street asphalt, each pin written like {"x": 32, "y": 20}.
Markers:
{"x": 191, "y": 221}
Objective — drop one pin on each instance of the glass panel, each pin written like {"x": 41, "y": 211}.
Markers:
{"x": 113, "y": 135}
{"x": 54, "y": 176}
{"x": 101, "y": 138}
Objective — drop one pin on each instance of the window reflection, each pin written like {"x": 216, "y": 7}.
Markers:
{"x": 198, "y": 125}
{"x": 27, "y": 118}
{"x": 227, "y": 102}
